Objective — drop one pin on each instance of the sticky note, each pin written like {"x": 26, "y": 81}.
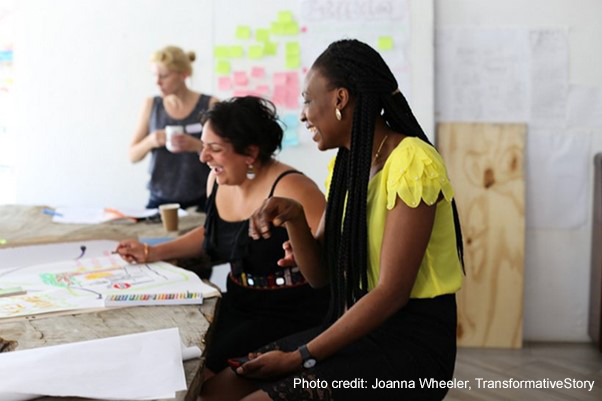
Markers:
{"x": 293, "y": 61}
{"x": 292, "y": 78}
{"x": 224, "y": 83}
{"x": 285, "y": 16}
{"x": 240, "y": 78}
{"x": 222, "y": 67}
{"x": 255, "y": 52}
{"x": 240, "y": 93}
{"x": 292, "y": 99}
{"x": 385, "y": 43}
{"x": 262, "y": 90}
{"x": 236, "y": 51}
{"x": 221, "y": 51}
{"x": 6, "y": 56}
{"x": 3, "y": 241}
{"x": 243, "y": 32}
{"x": 258, "y": 72}
{"x": 278, "y": 28}
{"x": 270, "y": 48}
{"x": 290, "y": 124}
{"x": 279, "y": 95}
{"x": 292, "y": 48}
{"x": 292, "y": 28}
{"x": 279, "y": 79}
{"x": 262, "y": 35}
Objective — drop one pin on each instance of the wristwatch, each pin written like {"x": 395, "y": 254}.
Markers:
{"x": 308, "y": 360}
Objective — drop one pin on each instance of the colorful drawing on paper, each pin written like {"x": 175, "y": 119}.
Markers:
{"x": 85, "y": 283}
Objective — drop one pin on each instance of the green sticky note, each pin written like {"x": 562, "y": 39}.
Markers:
{"x": 385, "y": 43}
{"x": 255, "y": 51}
{"x": 262, "y": 35}
{"x": 270, "y": 48}
{"x": 221, "y": 51}
{"x": 222, "y": 67}
{"x": 243, "y": 32}
{"x": 3, "y": 241}
{"x": 291, "y": 28}
{"x": 278, "y": 28}
{"x": 292, "y": 48}
{"x": 285, "y": 16}
{"x": 236, "y": 52}
{"x": 293, "y": 61}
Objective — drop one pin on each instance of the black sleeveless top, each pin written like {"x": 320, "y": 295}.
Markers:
{"x": 177, "y": 177}
{"x": 227, "y": 241}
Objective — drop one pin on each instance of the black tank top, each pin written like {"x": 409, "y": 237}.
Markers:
{"x": 227, "y": 241}
{"x": 177, "y": 177}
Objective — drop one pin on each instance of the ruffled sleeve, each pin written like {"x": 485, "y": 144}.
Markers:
{"x": 416, "y": 172}
{"x": 329, "y": 177}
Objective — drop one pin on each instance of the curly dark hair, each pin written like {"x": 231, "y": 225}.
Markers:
{"x": 246, "y": 121}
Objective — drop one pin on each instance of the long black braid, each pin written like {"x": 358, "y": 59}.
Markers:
{"x": 362, "y": 71}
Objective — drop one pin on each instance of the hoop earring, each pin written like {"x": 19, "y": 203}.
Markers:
{"x": 250, "y": 172}
{"x": 337, "y": 113}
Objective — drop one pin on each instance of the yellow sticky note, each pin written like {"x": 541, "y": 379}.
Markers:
{"x": 385, "y": 43}
{"x": 262, "y": 35}
{"x": 221, "y": 52}
{"x": 222, "y": 67}
{"x": 291, "y": 28}
{"x": 236, "y": 51}
{"x": 255, "y": 51}
{"x": 293, "y": 61}
{"x": 243, "y": 32}
{"x": 293, "y": 48}
{"x": 285, "y": 16}
{"x": 270, "y": 48}
{"x": 278, "y": 28}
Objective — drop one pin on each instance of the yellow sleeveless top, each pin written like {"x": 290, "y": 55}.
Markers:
{"x": 414, "y": 172}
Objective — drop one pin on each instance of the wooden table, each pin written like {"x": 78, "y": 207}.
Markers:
{"x": 26, "y": 225}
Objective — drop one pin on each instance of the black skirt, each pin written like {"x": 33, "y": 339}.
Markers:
{"x": 250, "y": 318}
{"x": 417, "y": 343}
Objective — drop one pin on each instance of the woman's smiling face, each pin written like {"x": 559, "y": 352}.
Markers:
{"x": 320, "y": 102}
{"x": 229, "y": 167}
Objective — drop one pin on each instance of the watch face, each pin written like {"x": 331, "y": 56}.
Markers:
{"x": 310, "y": 363}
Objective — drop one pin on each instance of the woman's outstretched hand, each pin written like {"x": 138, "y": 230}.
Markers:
{"x": 274, "y": 211}
{"x": 132, "y": 251}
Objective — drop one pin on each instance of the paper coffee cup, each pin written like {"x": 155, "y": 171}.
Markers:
{"x": 169, "y": 216}
{"x": 170, "y": 131}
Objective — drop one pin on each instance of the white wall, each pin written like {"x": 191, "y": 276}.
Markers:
{"x": 557, "y": 261}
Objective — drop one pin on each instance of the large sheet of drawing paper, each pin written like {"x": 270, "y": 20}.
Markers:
{"x": 143, "y": 366}
{"x": 485, "y": 165}
{"x": 81, "y": 284}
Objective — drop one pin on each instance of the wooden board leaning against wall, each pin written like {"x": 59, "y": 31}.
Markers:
{"x": 485, "y": 165}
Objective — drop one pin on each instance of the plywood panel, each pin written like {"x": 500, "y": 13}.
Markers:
{"x": 485, "y": 165}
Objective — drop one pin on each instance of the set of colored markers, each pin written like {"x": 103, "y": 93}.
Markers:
{"x": 182, "y": 298}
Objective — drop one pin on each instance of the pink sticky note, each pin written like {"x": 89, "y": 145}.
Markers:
{"x": 292, "y": 99}
{"x": 224, "y": 83}
{"x": 262, "y": 89}
{"x": 240, "y": 93}
{"x": 292, "y": 78}
{"x": 240, "y": 78}
{"x": 279, "y": 78}
{"x": 279, "y": 95}
{"x": 303, "y": 29}
{"x": 258, "y": 72}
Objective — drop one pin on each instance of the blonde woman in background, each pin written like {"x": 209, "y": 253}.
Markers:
{"x": 176, "y": 176}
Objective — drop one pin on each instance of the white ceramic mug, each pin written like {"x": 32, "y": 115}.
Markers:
{"x": 170, "y": 131}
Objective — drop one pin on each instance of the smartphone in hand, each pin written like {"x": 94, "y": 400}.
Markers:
{"x": 236, "y": 362}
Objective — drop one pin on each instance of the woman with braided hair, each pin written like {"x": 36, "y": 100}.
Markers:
{"x": 389, "y": 246}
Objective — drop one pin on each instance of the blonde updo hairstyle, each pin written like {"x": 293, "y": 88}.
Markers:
{"x": 174, "y": 59}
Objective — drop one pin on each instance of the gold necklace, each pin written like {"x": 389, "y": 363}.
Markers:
{"x": 379, "y": 148}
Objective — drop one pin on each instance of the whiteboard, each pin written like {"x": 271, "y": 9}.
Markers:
{"x": 82, "y": 73}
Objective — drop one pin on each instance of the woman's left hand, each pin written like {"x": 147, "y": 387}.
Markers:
{"x": 270, "y": 364}
{"x": 185, "y": 143}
